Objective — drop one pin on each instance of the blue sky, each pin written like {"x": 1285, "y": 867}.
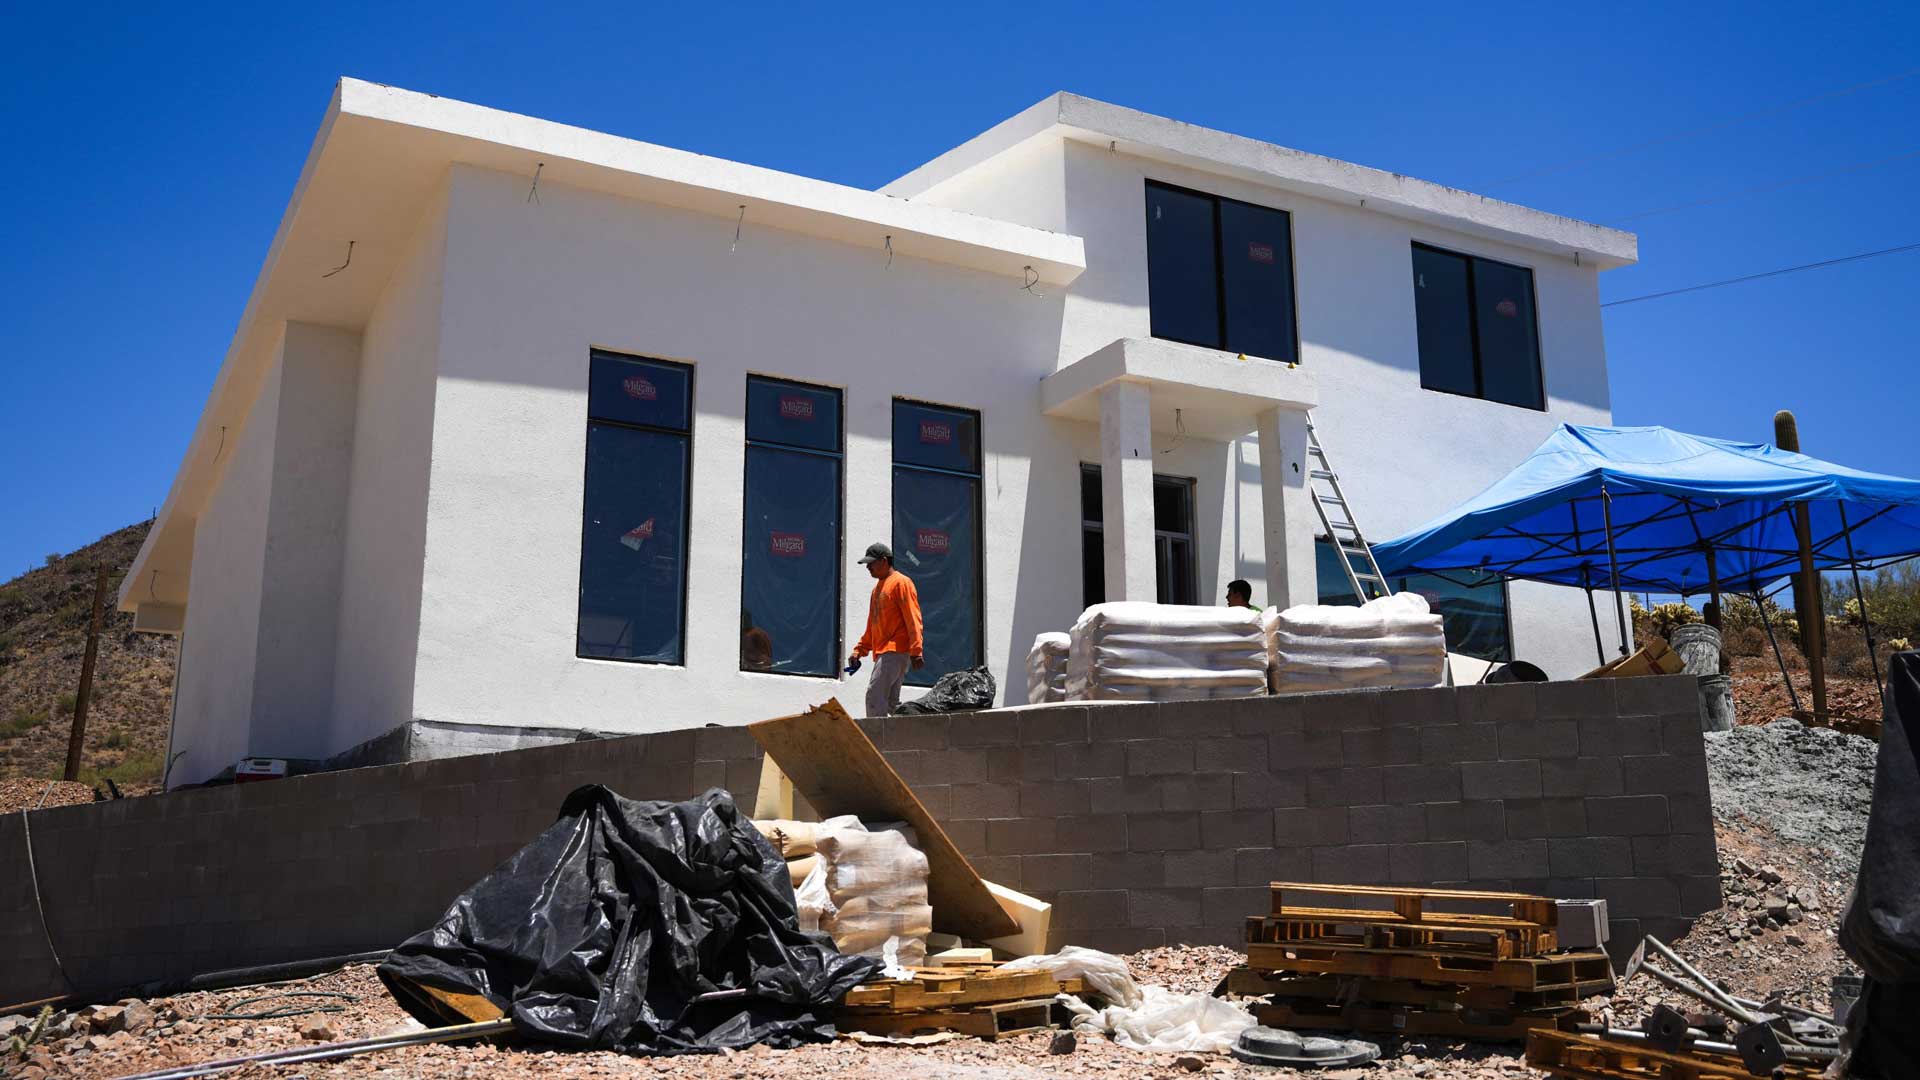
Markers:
{"x": 149, "y": 156}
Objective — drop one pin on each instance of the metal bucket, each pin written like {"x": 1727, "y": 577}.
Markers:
{"x": 1699, "y": 647}
{"x": 1716, "y": 703}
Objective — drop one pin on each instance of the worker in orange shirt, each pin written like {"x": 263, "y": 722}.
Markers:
{"x": 893, "y": 631}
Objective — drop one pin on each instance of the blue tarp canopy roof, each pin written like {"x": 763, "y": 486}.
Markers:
{"x": 1674, "y": 496}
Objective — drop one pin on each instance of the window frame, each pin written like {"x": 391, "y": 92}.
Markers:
{"x": 979, "y": 478}
{"x": 1400, "y": 582}
{"x": 840, "y": 510}
{"x": 1473, "y": 328}
{"x": 1089, "y": 525}
{"x": 686, "y": 501}
{"x": 1220, "y": 275}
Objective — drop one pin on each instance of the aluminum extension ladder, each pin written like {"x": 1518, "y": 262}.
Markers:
{"x": 1342, "y": 528}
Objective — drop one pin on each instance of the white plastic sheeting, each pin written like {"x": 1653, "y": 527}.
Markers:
{"x": 1140, "y": 1017}
{"x": 1047, "y": 668}
{"x": 1135, "y": 651}
{"x": 1395, "y": 641}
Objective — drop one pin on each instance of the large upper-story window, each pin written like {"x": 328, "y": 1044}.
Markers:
{"x": 790, "y": 556}
{"x": 936, "y": 529}
{"x": 633, "y": 537}
{"x": 1478, "y": 333}
{"x": 1220, "y": 273}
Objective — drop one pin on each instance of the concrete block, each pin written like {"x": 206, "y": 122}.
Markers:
{"x": 1073, "y": 760}
{"x": 1263, "y": 866}
{"x": 1265, "y": 790}
{"x": 1479, "y": 820}
{"x": 985, "y": 729}
{"x": 1119, "y": 722}
{"x": 1126, "y": 870}
{"x": 1054, "y": 798}
{"x": 1582, "y": 924}
{"x": 1590, "y": 857}
{"x": 1506, "y": 858}
{"x": 1089, "y": 909}
{"x": 1500, "y": 780}
{"x": 1533, "y": 818}
{"x": 967, "y": 834}
{"x": 1313, "y": 748}
{"x": 1422, "y": 783}
{"x": 1628, "y": 815}
{"x": 1198, "y": 868}
{"x": 1680, "y": 735}
{"x": 1050, "y": 873}
{"x": 1265, "y": 715}
{"x": 1575, "y": 699}
{"x": 1638, "y": 897}
{"x": 1022, "y": 836}
{"x": 1195, "y": 719}
{"x": 1613, "y": 736}
{"x": 1690, "y": 813}
{"x": 1342, "y": 711}
{"x": 1534, "y": 739}
{"x": 1699, "y": 893}
{"x": 1091, "y": 832}
{"x": 1353, "y": 864}
{"x": 983, "y": 800}
{"x": 1118, "y": 940}
{"x": 1053, "y": 725}
{"x": 1230, "y": 754}
{"x": 1387, "y": 823}
{"x": 1419, "y": 707}
{"x": 1196, "y": 791}
{"x": 1657, "y": 695}
{"x": 1121, "y": 795}
{"x": 912, "y": 765}
{"x": 1491, "y": 703}
{"x": 1229, "y": 907}
{"x": 1012, "y": 764}
{"x": 1154, "y": 757}
{"x": 1164, "y": 907}
{"x": 1227, "y": 829}
{"x": 1310, "y": 826}
{"x": 1344, "y": 787}
{"x": 1162, "y": 831}
{"x": 1424, "y": 864}
{"x": 1665, "y": 774}
{"x": 1004, "y": 870}
{"x": 1381, "y": 746}
{"x": 1451, "y": 744}
{"x": 927, "y": 731}
{"x": 1677, "y": 854}
{"x": 1582, "y": 776}
{"x": 959, "y": 766}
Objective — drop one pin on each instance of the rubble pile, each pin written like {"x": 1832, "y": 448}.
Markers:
{"x": 1806, "y": 785}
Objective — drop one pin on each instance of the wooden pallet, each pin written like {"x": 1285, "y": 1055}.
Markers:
{"x": 1252, "y": 982}
{"x": 1489, "y": 1026}
{"x": 1538, "y": 974}
{"x": 994, "y": 1021}
{"x": 1410, "y": 918}
{"x": 1591, "y": 1057}
{"x": 956, "y": 987}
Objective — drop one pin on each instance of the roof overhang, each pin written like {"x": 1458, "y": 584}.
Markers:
{"x": 1203, "y": 393}
{"x": 377, "y": 163}
{"x": 1156, "y": 138}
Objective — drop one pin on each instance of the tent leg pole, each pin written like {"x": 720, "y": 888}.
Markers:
{"x": 1593, "y": 613}
{"x": 1760, "y": 604}
{"x": 1619, "y": 601}
{"x": 1860, "y": 597}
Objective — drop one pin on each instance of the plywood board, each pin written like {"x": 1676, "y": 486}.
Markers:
{"x": 839, "y": 770}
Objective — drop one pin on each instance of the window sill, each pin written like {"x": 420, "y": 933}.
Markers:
{"x": 1477, "y": 397}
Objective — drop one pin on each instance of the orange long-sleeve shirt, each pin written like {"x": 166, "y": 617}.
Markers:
{"x": 893, "y": 618}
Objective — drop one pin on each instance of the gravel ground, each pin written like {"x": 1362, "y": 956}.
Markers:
{"x": 1808, "y": 786}
{"x": 18, "y": 793}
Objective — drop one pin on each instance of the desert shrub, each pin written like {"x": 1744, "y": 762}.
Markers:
{"x": 132, "y": 769}
{"x": 1661, "y": 619}
{"x": 116, "y": 740}
{"x": 1744, "y": 641}
{"x": 22, "y": 721}
{"x": 67, "y": 703}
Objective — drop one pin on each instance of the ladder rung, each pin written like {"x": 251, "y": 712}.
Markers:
{"x": 1323, "y": 474}
{"x": 1370, "y": 577}
{"x": 1350, "y": 527}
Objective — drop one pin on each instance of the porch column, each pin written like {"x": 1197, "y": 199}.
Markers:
{"x": 1286, "y": 504}
{"x": 1126, "y": 490}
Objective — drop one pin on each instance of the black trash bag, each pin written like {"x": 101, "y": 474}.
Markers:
{"x": 956, "y": 691}
{"x": 1881, "y": 927}
{"x": 601, "y": 932}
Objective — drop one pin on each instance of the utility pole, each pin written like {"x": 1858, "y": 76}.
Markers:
{"x": 79, "y": 736}
{"x": 1806, "y": 584}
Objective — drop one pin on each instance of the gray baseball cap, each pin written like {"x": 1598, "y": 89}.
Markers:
{"x": 876, "y": 552}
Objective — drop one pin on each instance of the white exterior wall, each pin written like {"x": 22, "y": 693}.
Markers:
{"x": 531, "y": 288}
{"x": 1405, "y": 454}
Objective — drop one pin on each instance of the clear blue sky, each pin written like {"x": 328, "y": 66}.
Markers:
{"x": 148, "y": 155}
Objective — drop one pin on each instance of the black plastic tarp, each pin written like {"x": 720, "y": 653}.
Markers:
{"x": 1881, "y": 927}
{"x": 602, "y": 932}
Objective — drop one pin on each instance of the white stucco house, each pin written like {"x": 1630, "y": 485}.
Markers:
{"x": 528, "y": 430}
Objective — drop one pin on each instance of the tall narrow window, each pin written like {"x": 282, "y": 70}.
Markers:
{"x": 1472, "y": 606}
{"x": 633, "y": 536}
{"x": 790, "y": 562}
{"x": 1173, "y": 566}
{"x": 936, "y": 529}
{"x": 1220, "y": 273}
{"x": 1478, "y": 332}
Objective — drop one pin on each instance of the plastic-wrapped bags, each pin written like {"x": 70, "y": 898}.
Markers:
{"x": 876, "y": 888}
{"x": 1394, "y": 641}
{"x": 1047, "y": 668}
{"x": 1135, "y": 651}
{"x": 1140, "y": 1017}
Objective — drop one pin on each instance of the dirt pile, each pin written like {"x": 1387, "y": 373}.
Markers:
{"x": 1805, "y": 785}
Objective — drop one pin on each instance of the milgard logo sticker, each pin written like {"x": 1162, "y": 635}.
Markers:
{"x": 930, "y": 541}
{"x": 638, "y": 535}
{"x": 640, "y": 388}
{"x": 789, "y": 545}
{"x": 1260, "y": 253}
{"x": 935, "y": 432}
{"x": 795, "y": 407}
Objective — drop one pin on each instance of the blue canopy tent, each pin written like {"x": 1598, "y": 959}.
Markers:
{"x": 1656, "y": 509}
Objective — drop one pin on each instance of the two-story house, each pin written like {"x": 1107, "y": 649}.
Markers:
{"x": 528, "y": 430}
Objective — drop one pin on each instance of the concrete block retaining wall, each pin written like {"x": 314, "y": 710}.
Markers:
{"x": 1143, "y": 824}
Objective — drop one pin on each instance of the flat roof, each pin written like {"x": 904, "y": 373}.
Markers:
{"x": 377, "y": 161}
{"x": 1157, "y": 138}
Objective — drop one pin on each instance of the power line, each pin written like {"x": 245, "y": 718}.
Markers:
{"x": 1718, "y": 125}
{"x": 1768, "y": 274}
{"x": 1790, "y": 182}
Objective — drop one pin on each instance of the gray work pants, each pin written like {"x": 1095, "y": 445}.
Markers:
{"x": 883, "y": 688}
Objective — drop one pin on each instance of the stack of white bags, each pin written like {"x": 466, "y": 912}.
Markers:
{"x": 1395, "y": 641}
{"x": 1136, "y": 651}
{"x": 1047, "y": 668}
